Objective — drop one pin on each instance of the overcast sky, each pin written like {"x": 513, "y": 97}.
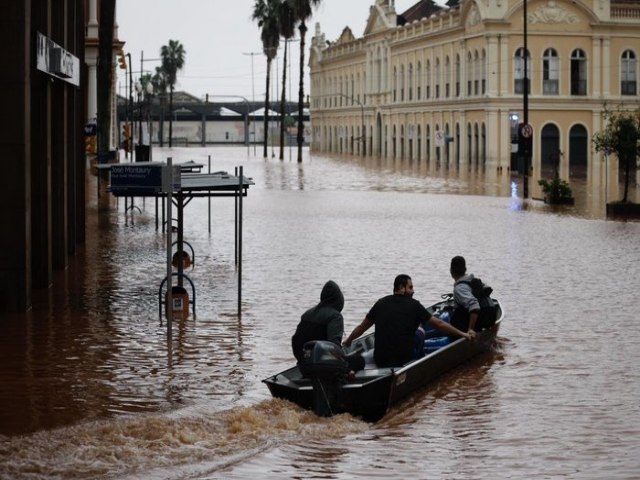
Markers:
{"x": 217, "y": 35}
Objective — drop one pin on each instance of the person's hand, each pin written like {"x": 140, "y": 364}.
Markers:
{"x": 472, "y": 335}
{"x": 346, "y": 343}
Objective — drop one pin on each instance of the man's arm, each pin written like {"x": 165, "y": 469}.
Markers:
{"x": 450, "y": 329}
{"x": 473, "y": 318}
{"x": 359, "y": 330}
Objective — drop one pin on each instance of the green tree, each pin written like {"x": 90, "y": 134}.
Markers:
{"x": 621, "y": 136}
{"x": 172, "y": 56}
{"x": 287, "y": 31}
{"x": 302, "y": 11}
{"x": 105, "y": 73}
{"x": 159, "y": 81}
{"x": 267, "y": 14}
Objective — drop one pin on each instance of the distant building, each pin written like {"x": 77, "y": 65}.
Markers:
{"x": 199, "y": 122}
{"x": 445, "y": 84}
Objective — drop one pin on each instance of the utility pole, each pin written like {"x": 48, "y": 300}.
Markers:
{"x": 253, "y": 99}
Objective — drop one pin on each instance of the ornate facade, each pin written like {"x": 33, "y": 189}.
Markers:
{"x": 446, "y": 84}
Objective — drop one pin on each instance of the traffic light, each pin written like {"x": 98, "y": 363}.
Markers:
{"x": 90, "y": 145}
{"x": 122, "y": 61}
{"x": 126, "y": 136}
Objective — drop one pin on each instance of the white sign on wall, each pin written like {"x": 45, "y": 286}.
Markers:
{"x": 54, "y": 60}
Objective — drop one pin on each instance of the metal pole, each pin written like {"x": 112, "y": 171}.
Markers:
{"x": 525, "y": 106}
{"x": 235, "y": 224}
{"x": 253, "y": 99}
{"x": 209, "y": 197}
{"x": 169, "y": 248}
{"x": 289, "y": 107}
{"x": 130, "y": 142}
{"x": 240, "y": 186}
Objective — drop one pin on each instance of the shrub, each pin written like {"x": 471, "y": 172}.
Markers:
{"x": 555, "y": 189}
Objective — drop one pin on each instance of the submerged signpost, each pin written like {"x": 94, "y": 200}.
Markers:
{"x": 180, "y": 184}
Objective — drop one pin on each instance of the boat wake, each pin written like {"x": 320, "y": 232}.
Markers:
{"x": 181, "y": 444}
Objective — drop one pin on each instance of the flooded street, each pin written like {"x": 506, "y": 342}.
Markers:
{"x": 93, "y": 387}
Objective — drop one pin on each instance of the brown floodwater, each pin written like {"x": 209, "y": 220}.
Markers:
{"x": 94, "y": 387}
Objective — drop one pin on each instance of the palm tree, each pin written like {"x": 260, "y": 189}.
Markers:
{"x": 172, "y": 60}
{"x": 302, "y": 10}
{"x": 159, "y": 82}
{"x": 105, "y": 73}
{"x": 287, "y": 30}
{"x": 266, "y": 13}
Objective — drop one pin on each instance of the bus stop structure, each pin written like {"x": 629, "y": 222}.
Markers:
{"x": 175, "y": 186}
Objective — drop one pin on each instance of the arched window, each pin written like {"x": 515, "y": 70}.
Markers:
{"x": 395, "y": 84}
{"x": 628, "y": 79}
{"x": 427, "y": 136}
{"x": 578, "y": 72}
{"x": 457, "y": 80}
{"x": 427, "y": 75}
{"x": 550, "y": 72}
{"x": 402, "y": 83}
{"x": 419, "y": 81}
{"x": 519, "y": 70}
{"x": 469, "y": 73}
{"x": 476, "y": 74}
{"x": 410, "y": 81}
{"x": 377, "y": 71}
{"x": 352, "y": 91}
{"x": 483, "y": 77}
{"x": 447, "y": 77}
{"x": 437, "y": 78}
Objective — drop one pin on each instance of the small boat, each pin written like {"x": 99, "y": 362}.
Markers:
{"x": 330, "y": 389}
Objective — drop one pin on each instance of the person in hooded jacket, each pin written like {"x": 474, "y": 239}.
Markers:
{"x": 322, "y": 322}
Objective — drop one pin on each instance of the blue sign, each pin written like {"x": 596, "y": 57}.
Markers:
{"x": 90, "y": 129}
{"x": 132, "y": 179}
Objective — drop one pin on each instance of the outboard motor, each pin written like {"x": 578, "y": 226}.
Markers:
{"x": 326, "y": 365}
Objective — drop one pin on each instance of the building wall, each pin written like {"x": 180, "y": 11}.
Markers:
{"x": 454, "y": 76}
{"x": 42, "y": 184}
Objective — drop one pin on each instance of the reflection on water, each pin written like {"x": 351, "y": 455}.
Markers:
{"x": 94, "y": 387}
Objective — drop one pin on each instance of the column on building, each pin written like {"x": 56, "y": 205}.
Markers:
{"x": 462, "y": 120}
{"x": 494, "y": 137}
{"x": 492, "y": 59}
{"x": 504, "y": 67}
{"x": 597, "y": 72}
{"x": 60, "y": 117}
{"x": 607, "y": 60}
{"x": 91, "y": 58}
{"x": 15, "y": 139}
{"x": 370, "y": 70}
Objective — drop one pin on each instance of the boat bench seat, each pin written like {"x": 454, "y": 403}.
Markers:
{"x": 369, "y": 362}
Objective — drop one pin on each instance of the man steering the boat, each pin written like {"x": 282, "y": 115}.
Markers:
{"x": 397, "y": 317}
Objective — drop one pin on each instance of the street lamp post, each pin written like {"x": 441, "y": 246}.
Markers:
{"x": 144, "y": 98}
{"x": 253, "y": 98}
{"x": 525, "y": 107}
{"x": 130, "y": 105}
